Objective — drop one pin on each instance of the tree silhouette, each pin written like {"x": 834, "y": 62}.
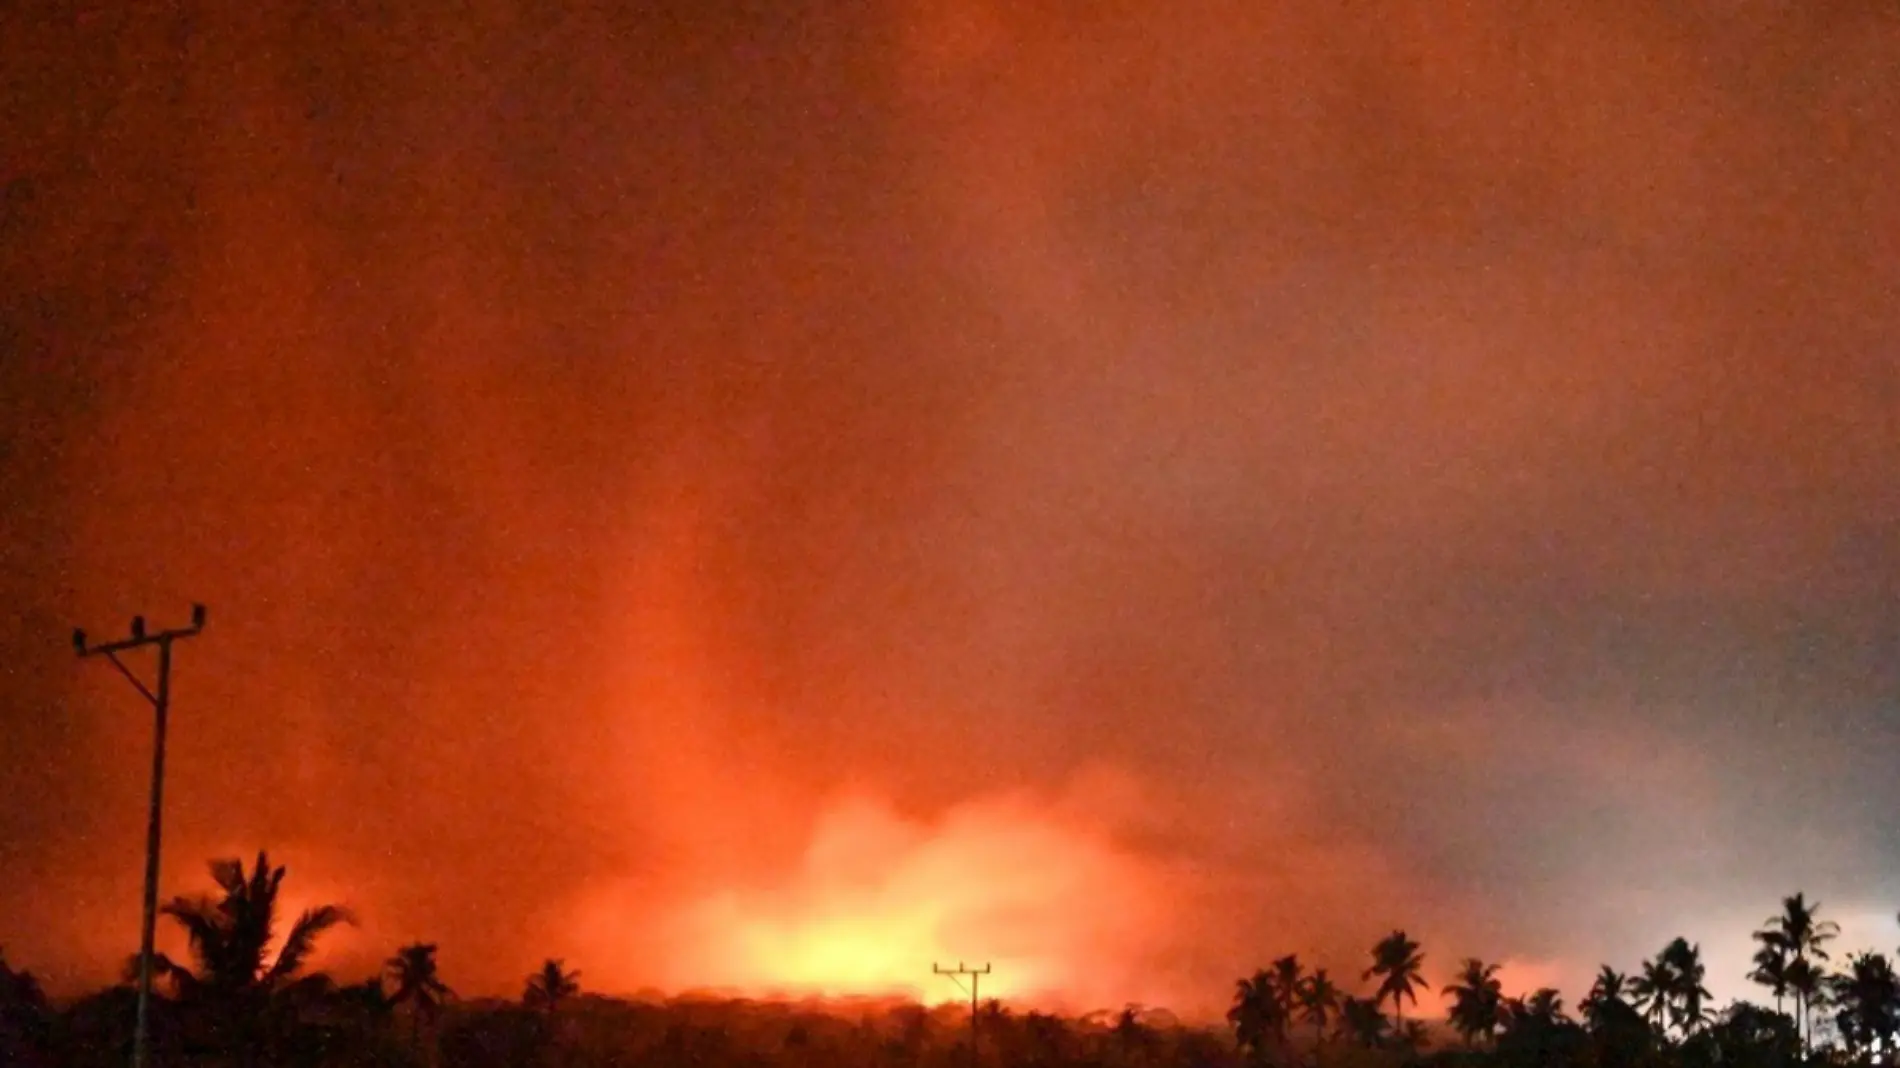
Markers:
{"x": 1256, "y": 1015}
{"x": 1807, "y": 981}
{"x": 1544, "y": 1006}
{"x": 1771, "y": 964}
{"x": 1477, "y": 1000}
{"x": 230, "y": 936}
{"x": 1537, "y": 1031}
{"x": 550, "y": 986}
{"x": 1618, "y": 1033}
{"x": 1287, "y": 975}
{"x": 1747, "y": 1036}
{"x": 418, "y": 984}
{"x": 1605, "y": 996}
{"x": 1652, "y": 990}
{"x": 1799, "y": 931}
{"x": 349, "y": 1026}
{"x": 1396, "y": 961}
{"x": 1868, "y": 997}
{"x": 1362, "y": 1022}
{"x": 1686, "y": 996}
{"x": 241, "y": 988}
{"x": 1319, "y": 1003}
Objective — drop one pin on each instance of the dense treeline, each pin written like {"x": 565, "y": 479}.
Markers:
{"x": 1659, "y": 1015}
{"x": 244, "y": 1000}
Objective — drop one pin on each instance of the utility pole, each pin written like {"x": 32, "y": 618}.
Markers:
{"x": 161, "y": 704}
{"x": 956, "y": 975}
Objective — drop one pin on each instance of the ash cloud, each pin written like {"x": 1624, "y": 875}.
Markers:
{"x": 1443, "y": 459}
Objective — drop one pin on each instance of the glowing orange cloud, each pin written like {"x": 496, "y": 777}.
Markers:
{"x": 878, "y": 898}
{"x": 1524, "y": 977}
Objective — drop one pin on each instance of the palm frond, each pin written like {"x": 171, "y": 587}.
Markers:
{"x": 228, "y": 873}
{"x": 184, "y": 984}
{"x": 192, "y": 912}
{"x": 302, "y": 939}
{"x": 207, "y": 930}
{"x": 417, "y": 980}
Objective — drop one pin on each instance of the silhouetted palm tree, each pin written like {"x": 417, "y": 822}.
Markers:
{"x": 1606, "y": 997}
{"x": 1396, "y": 961}
{"x": 1287, "y": 974}
{"x": 1771, "y": 962}
{"x": 1477, "y": 1000}
{"x": 240, "y": 988}
{"x": 1362, "y": 1021}
{"x": 230, "y": 936}
{"x": 1537, "y": 1031}
{"x": 1687, "y": 997}
{"x": 419, "y": 984}
{"x": 1868, "y": 997}
{"x": 1799, "y": 930}
{"x": 550, "y": 986}
{"x": 1651, "y": 992}
{"x": 1255, "y": 1014}
{"x": 1545, "y": 1005}
{"x": 1319, "y": 1003}
{"x": 1807, "y": 981}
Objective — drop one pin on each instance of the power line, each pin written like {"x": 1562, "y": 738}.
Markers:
{"x": 956, "y": 975}
{"x": 161, "y": 705}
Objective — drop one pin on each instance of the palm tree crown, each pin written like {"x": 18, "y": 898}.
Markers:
{"x": 551, "y": 985}
{"x": 418, "y": 981}
{"x": 1319, "y": 1001}
{"x": 1256, "y": 1015}
{"x": 1771, "y": 964}
{"x": 1396, "y": 962}
{"x": 1601, "y": 1004}
{"x": 1545, "y": 1006}
{"x": 1672, "y": 985}
{"x": 1477, "y": 1000}
{"x": 1802, "y": 930}
{"x": 1361, "y": 1022}
{"x": 231, "y": 935}
{"x": 1287, "y": 976}
{"x": 1651, "y": 991}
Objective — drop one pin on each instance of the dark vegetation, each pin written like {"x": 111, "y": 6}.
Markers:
{"x": 245, "y": 1000}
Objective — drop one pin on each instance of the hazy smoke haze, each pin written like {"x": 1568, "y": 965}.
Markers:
{"x": 1120, "y": 493}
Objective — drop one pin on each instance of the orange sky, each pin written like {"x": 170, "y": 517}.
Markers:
{"x": 1122, "y": 496}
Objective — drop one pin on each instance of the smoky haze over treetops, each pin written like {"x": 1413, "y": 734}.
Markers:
{"x": 1174, "y": 487}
